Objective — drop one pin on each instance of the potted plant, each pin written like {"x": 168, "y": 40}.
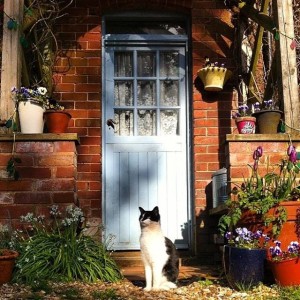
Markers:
{"x": 7, "y": 255}
{"x": 285, "y": 265}
{"x": 244, "y": 251}
{"x": 56, "y": 118}
{"x": 268, "y": 116}
{"x": 30, "y": 104}
{"x": 214, "y": 76}
{"x": 268, "y": 202}
{"x": 244, "y": 120}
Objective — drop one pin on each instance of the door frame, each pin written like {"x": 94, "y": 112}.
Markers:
{"x": 133, "y": 39}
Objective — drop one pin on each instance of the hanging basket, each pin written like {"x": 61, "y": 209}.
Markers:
{"x": 214, "y": 78}
{"x": 31, "y": 117}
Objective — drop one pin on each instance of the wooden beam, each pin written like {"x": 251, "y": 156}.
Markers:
{"x": 287, "y": 72}
{"x": 256, "y": 50}
{"x": 258, "y": 17}
{"x": 11, "y": 56}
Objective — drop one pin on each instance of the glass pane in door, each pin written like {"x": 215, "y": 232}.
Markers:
{"x": 123, "y": 122}
{"x": 123, "y": 93}
{"x": 146, "y": 64}
{"x": 169, "y": 92}
{"x": 169, "y": 63}
{"x": 146, "y": 122}
{"x": 123, "y": 64}
{"x": 146, "y": 92}
{"x": 169, "y": 122}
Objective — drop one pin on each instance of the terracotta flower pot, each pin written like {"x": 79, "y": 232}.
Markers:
{"x": 290, "y": 230}
{"x": 246, "y": 125}
{"x": 268, "y": 121}
{"x": 214, "y": 78}
{"x": 57, "y": 121}
{"x": 286, "y": 272}
{"x": 7, "y": 263}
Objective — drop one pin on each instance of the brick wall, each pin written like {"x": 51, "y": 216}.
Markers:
{"x": 78, "y": 86}
{"x": 47, "y": 176}
{"x": 79, "y": 89}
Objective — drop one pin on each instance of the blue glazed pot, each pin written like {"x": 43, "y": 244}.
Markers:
{"x": 244, "y": 268}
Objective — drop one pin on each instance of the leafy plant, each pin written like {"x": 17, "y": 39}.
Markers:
{"x": 37, "y": 95}
{"x": 60, "y": 250}
{"x": 258, "y": 194}
{"x": 5, "y": 236}
{"x": 11, "y": 167}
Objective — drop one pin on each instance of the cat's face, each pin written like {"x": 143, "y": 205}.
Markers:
{"x": 149, "y": 216}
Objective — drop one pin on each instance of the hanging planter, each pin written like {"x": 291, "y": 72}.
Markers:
{"x": 7, "y": 263}
{"x": 56, "y": 121}
{"x": 214, "y": 77}
{"x": 246, "y": 125}
{"x": 31, "y": 116}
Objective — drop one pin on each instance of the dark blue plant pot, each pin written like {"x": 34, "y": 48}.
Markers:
{"x": 244, "y": 268}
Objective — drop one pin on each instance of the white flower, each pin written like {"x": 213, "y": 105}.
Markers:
{"x": 42, "y": 90}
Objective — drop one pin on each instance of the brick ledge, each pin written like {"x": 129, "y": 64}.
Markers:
{"x": 262, "y": 137}
{"x": 41, "y": 137}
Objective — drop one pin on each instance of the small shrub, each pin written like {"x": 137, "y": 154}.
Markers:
{"x": 60, "y": 251}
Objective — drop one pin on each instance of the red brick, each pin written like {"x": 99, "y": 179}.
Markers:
{"x": 65, "y": 172}
{"x": 32, "y": 198}
{"x": 56, "y": 185}
{"x": 56, "y": 160}
{"x": 63, "y": 197}
{"x": 64, "y": 147}
{"x": 34, "y": 172}
{"x": 89, "y": 194}
{"x": 16, "y": 185}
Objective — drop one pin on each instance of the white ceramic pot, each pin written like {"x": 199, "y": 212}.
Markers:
{"x": 31, "y": 117}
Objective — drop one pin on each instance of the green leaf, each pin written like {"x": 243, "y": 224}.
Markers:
{"x": 9, "y": 123}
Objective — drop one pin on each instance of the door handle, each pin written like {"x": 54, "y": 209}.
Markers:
{"x": 110, "y": 123}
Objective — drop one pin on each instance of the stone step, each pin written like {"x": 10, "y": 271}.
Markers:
{"x": 133, "y": 258}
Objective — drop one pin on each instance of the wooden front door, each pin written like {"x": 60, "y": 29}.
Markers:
{"x": 145, "y": 141}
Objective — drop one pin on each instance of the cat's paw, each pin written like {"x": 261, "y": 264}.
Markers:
{"x": 168, "y": 285}
{"x": 147, "y": 289}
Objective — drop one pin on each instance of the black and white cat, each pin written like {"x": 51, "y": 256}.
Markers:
{"x": 159, "y": 254}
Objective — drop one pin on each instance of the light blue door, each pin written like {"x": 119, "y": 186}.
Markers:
{"x": 145, "y": 153}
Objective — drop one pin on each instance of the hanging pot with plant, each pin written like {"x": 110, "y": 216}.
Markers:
{"x": 214, "y": 76}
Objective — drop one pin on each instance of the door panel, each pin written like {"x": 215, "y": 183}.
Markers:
{"x": 145, "y": 156}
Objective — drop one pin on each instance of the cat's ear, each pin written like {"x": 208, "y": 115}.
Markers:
{"x": 155, "y": 210}
{"x": 141, "y": 210}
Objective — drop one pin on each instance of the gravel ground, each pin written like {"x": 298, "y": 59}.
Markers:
{"x": 188, "y": 289}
